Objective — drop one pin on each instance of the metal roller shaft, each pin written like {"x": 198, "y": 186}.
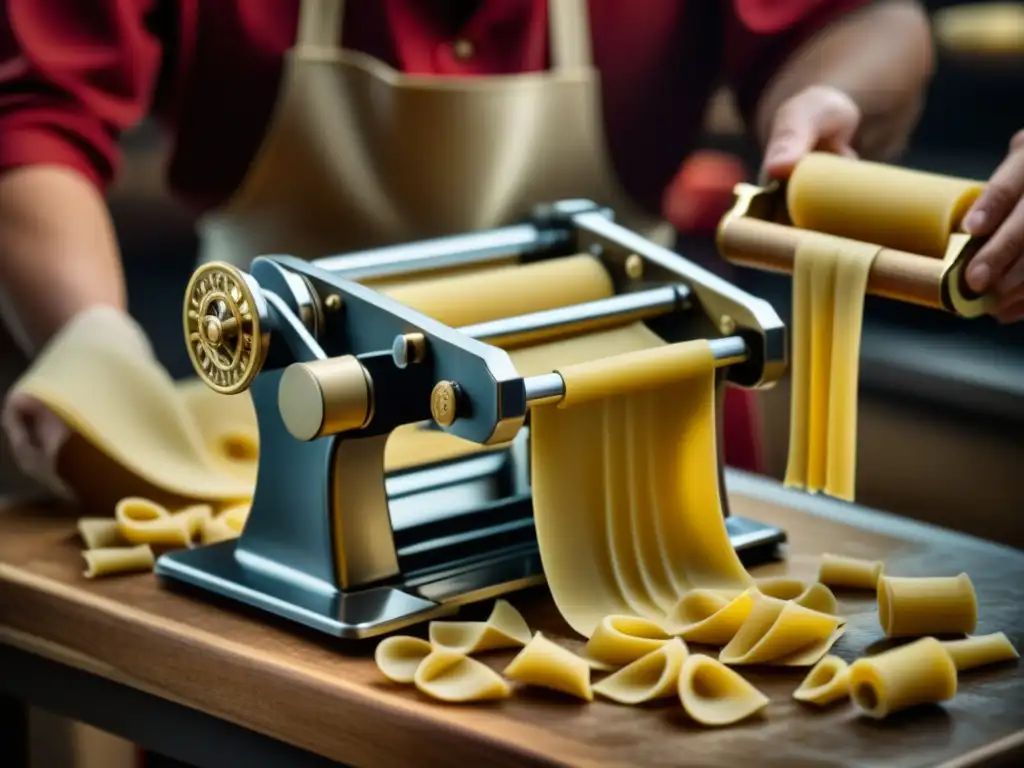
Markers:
{"x": 899, "y": 275}
{"x": 548, "y": 388}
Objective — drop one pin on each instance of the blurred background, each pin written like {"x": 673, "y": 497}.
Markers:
{"x": 942, "y": 400}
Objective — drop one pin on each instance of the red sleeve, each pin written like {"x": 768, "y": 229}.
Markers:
{"x": 74, "y": 74}
{"x": 760, "y": 35}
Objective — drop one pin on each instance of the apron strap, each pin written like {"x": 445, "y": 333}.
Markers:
{"x": 569, "y": 23}
{"x": 320, "y": 24}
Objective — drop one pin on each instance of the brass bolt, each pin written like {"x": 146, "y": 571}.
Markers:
{"x": 332, "y": 303}
{"x": 409, "y": 349}
{"x": 444, "y": 402}
{"x": 726, "y": 325}
{"x": 634, "y": 266}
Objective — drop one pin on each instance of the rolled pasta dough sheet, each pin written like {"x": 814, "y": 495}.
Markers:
{"x": 914, "y": 607}
{"x": 625, "y": 487}
{"x": 649, "y": 678}
{"x": 980, "y": 651}
{"x": 921, "y": 672}
{"x": 714, "y": 695}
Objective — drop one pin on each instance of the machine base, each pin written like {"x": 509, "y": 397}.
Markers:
{"x": 463, "y": 531}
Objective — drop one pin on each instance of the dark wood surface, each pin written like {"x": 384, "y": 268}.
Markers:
{"x": 329, "y": 698}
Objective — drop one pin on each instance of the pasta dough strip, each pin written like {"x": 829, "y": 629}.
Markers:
{"x": 849, "y": 572}
{"x": 400, "y": 656}
{"x": 913, "y": 607}
{"x": 712, "y": 694}
{"x": 456, "y": 679}
{"x": 651, "y": 677}
{"x": 108, "y": 561}
{"x": 548, "y": 665}
{"x": 504, "y": 628}
{"x": 921, "y": 672}
{"x": 981, "y": 651}
{"x": 568, "y": 455}
{"x": 827, "y": 683}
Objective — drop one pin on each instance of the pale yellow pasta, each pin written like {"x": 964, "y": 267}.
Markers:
{"x": 235, "y": 517}
{"x": 194, "y": 517}
{"x": 938, "y": 605}
{"x": 921, "y": 672}
{"x": 141, "y": 521}
{"x": 815, "y": 596}
{"x": 651, "y": 677}
{"x": 708, "y": 617}
{"x": 811, "y": 654}
{"x": 819, "y": 598}
{"x": 827, "y": 683}
{"x": 849, "y": 572}
{"x": 108, "y": 561}
{"x": 216, "y": 530}
{"x": 980, "y": 651}
{"x": 779, "y": 631}
{"x": 545, "y": 664}
{"x": 618, "y": 640}
{"x": 399, "y": 657}
{"x": 97, "y": 532}
{"x": 713, "y": 694}
{"x": 504, "y": 628}
{"x": 456, "y": 678}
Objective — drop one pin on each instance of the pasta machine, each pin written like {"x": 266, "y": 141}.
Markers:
{"x": 334, "y": 365}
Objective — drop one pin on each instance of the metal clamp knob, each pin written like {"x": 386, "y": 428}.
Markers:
{"x": 325, "y": 397}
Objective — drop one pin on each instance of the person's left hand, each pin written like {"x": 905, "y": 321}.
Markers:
{"x": 819, "y": 118}
{"x": 999, "y": 212}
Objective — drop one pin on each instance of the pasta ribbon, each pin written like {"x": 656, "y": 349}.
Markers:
{"x": 981, "y": 651}
{"x": 109, "y": 561}
{"x": 651, "y": 677}
{"x": 708, "y": 617}
{"x": 399, "y": 657}
{"x": 781, "y": 632}
{"x": 545, "y": 664}
{"x": 714, "y": 695}
{"x": 619, "y": 640}
{"x": 827, "y": 683}
{"x": 456, "y": 678}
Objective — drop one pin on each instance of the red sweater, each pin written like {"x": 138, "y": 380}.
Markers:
{"x": 75, "y": 74}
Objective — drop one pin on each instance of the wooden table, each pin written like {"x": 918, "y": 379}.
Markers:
{"x": 266, "y": 685}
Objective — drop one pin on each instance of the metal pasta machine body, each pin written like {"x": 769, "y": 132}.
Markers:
{"x": 334, "y": 541}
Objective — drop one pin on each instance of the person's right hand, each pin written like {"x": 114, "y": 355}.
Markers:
{"x": 36, "y": 435}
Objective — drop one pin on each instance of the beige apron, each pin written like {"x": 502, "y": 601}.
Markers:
{"x": 359, "y": 155}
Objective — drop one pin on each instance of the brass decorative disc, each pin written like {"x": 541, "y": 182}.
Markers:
{"x": 226, "y": 341}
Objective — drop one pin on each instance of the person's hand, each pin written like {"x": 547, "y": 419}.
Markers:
{"x": 36, "y": 435}
{"x": 819, "y": 118}
{"x": 999, "y": 211}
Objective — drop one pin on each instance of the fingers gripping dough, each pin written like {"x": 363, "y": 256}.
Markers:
{"x": 713, "y": 694}
{"x": 921, "y": 672}
{"x": 547, "y": 665}
{"x": 827, "y": 683}
{"x": 504, "y": 628}
{"x": 109, "y": 561}
{"x": 456, "y": 678}
{"x": 781, "y": 632}
{"x": 651, "y": 677}
{"x": 981, "y": 651}
{"x": 619, "y": 640}
{"x": 849, "y": 572}
{"x": 399, "y": 657}
{"x": 665, "y": 449}
{"x": 914, "y": 607}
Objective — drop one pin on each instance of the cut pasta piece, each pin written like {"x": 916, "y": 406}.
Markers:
{"x": 545, "y": 664}
{"x": 399, "y": 657}
{"x": 141, "y": 521}
{"x": 456, "y": 678}
{"x": 504, "y": 628}
{"x": 108, "y": 561}
{"x": 811, "y": 654}
{"x": 651, "y": 677}
{"x": 705, "y": 616}
{"x": 826, "y": 684}
{"x": 777, "y": 630}
{"x": 98, "y": 532}
{"x": 921, "y": 672}
{"x": 194, "y": 518}
{"x": 713, "y": 694}
{"x": 216, "y": 530}
{"x": 981, "y": 651}
{"x": 235, "y": 517}
{"x": 819, "y": 598}
{"x": 940, "y": 605}
{"x": 849, "y": 572}
{"x": 781, "y": 587}
{"x": 619, "y": 640}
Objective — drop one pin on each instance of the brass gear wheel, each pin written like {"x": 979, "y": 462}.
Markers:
{"x": 226, "y": 340}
